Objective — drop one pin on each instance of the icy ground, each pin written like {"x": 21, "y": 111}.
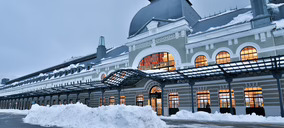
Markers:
{"x": 217, "y": 117}
{"x": 14, "y": 111}
{"x": 81, "y": 116}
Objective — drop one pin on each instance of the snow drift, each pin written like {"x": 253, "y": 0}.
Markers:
{"x": 81, "y": 116}
{"x": 204, "y": 116}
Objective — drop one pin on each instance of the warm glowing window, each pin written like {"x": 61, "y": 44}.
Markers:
{"x": 173, "y": 100}
{"x": 112, "y": 100}
{"x": 254, "y": 97}
{"x": 101, "y": 101}
{"x": 158, "y": 61}
{"x": 103, "y": 76}
{"x": 156, "y": 90}
{"x": 223, "y": 58}
{"x": 123, "y": 100}
{"x": 203, "y": 99}
{"x": 201, "y": 61}
{"x": 224, "y": 98}
{"x": 249, "y": 53}
{"x": 140, "y": 100}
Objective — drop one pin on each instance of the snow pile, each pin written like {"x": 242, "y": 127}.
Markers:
{"x": 204, "y": 116}
{"x": 241, "y": 18}
{"x": 14, "y": 111}
{"x": 81, "y": 116}
{"x": 279, "y": 23}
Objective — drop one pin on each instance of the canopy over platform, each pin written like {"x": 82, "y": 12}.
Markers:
{"x": 129, "y": 77}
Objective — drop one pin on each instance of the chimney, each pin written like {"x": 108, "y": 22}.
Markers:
{"x": 4, "y": 80}
{"x": 101, "y": 50}
{"x": 261, "y": 16}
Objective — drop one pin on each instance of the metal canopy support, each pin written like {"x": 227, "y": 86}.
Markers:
{"x": 278, "y": 76}
{"x": 191, "y": 84}
{"x": 103, "y": 91}
{"x": 58, "y": 98}
{"x": 67, "y": 98}
{"x": 162, "y": 85}
{"x": 229, "y": 80}
{"x": 119, "y": 90}
{"x": 50, "y": 101}
{"x": 89, "y": 94}
{"x": 77, "y": 97}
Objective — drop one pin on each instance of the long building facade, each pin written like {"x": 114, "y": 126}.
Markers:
{"x": 169, "y": 35}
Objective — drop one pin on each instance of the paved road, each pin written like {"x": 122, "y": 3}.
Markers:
{"x": 199, "y": 124}
{"x": 15, "y": 121}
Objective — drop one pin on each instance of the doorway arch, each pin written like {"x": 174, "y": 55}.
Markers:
{"x": 155, "y": 96}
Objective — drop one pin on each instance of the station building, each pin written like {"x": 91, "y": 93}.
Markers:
{"x": 167, "y": 36}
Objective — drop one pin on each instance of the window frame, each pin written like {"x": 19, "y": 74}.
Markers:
{"x": 223, "y": 59}
{"x": 248, "y": 54}
{"x": 200, "y": 64}
{"x": 159, "y": 63}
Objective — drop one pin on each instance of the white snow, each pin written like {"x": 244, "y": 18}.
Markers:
{"x": 204, "y": 116}
{"x": 241, "y": 18}
{"x": 274, "y": 6}
{"x": 279, "y": 23}
{"x": 14, "y": 111}
{"x": 81, "y": 116}
{"x": 153, "y": 71}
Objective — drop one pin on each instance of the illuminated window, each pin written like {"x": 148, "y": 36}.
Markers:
{"x": 249, "y": 53}
{"x": 254, "y": 97}
{"x": 123, "y": 100}
{"x": 224, "y": 98}
{"x": 203, "y": 99}
{"x": 223, "y": 58}
{"x": 112, "y": 100}
{"x": 201, "y": 61}
{"x": 140, "y": 100}
{"x": 173, "y": 100}
{"x": 101, "y": 101}
{"x": 103, "y": 76}
{"x": 158, "y": 61}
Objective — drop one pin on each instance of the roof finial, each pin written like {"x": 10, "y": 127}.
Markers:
{"x": 102, "y": 41}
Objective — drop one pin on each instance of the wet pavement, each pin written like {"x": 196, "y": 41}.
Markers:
{"x": 15, "y": 121}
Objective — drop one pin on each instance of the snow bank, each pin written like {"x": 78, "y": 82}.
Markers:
{"x": 204, "y": 116}
{"x": 14, "y": 111}
{"x": 81, "y": 116}
{"x": 279, "y": 23}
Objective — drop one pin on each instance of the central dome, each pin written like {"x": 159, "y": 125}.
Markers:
{"x": 163, "y": 10}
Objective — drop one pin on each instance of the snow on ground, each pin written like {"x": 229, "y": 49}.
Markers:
{"x": 14, "y": 111}
{"x": 81, "y": 116}
{"x": 279, "y": 23}
{"x": 216, "y": 117}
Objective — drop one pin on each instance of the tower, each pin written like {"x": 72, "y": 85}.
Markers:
{"x": 101, "y": 50}
{"x": 261, "y": 17}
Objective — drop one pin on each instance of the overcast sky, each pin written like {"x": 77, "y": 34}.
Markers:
{"x": 37, "y": 34}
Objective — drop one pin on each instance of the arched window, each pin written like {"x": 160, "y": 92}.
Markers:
{"x": 103, "y": 76}
{"x": 123, "y": 100}
{"x": 201, "y": 61}
{"x": 140, "y": 100}
{"x": 223, "y": 58}
{"x": 158, "y": 61}
{"x": 249, "y": 53}
{"x": 112, "y": 100}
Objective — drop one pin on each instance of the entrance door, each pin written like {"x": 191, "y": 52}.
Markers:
{"x": 156, "y": 99}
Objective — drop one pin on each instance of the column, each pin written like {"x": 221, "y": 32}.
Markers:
{"x": 103, "y": 91}
{"x": 191, "y": 83}
{"x": 119, "y": 90}
{"x": 89, "y": 99}
{"x": 162, "y": 85}
{"x": 229, "y": 80}
{"x": 67, "y": 98}
{"x": 278, "y": 75}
